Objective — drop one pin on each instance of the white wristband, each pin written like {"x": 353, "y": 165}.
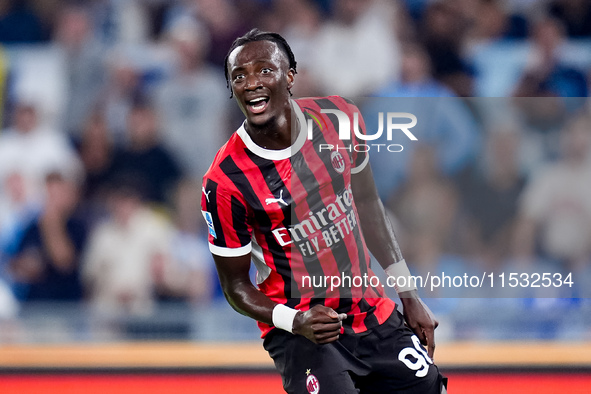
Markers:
{"x": 283, "y": 317}
{"x": 403, "y": 281}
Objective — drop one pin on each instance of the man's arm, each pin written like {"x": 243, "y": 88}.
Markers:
{"x": 320, "y": 324}
{"x": 381, "y": 241}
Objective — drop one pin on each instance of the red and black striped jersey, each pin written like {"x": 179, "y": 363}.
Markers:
{"x": 293, "y": 210}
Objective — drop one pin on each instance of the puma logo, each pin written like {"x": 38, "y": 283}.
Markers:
{"x": 279, "y": 200}
{"x": 206, "y": 193}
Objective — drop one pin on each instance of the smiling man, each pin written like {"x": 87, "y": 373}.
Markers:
{"x": 301, "y": 214}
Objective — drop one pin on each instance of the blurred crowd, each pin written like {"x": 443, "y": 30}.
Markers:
{"x": 112, "y": 110}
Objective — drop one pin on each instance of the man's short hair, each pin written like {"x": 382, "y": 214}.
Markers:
{"x": 258, "y": 35}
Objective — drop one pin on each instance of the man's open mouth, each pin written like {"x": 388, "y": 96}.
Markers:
{"x": 258, "y": 104}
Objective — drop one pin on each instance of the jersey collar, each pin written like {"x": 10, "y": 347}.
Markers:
{"x": 271, "y": 154}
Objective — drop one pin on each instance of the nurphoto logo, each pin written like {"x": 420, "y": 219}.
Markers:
{"x": 345, "y": 125}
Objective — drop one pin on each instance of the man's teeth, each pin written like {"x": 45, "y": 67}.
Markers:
{"x": 258, "y": 103}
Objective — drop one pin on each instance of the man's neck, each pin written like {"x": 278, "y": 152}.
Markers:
{"x": 275, "y": 134}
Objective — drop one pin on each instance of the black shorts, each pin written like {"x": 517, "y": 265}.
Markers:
{"x": 386, "y": 359}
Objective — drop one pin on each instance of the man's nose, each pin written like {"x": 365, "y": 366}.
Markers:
{"x": 252, "y": 82}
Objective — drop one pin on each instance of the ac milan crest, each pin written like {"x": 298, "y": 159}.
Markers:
{"x": 312, "y": 384}
{"x": 338, "y": 161}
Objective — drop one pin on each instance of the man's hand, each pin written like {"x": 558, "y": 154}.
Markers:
{"x": 420, "y": 319}
{"x": 320, "y": 324}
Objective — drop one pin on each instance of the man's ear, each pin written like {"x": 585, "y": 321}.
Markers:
{"x": 290, "y": 78}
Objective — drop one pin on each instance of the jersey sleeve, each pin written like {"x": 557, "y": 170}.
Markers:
{"x": 359, "y": 153}
{"x": 226, "y": 214}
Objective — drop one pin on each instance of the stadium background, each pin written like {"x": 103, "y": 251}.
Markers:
{"x": 113, "y": 109}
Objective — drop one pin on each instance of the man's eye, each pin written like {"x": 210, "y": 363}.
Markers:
{"x": 266, "y": 70}
{"x": 239, "y": 77}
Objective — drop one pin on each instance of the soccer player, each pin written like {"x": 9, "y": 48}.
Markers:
{"x": 279, "y": 195}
